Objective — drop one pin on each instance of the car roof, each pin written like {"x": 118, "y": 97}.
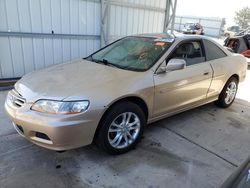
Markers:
{"x": 175, "y": 35}
{"x": 178, "y": 37}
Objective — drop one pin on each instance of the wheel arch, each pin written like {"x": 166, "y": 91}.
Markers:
{"x": 221, "y": 98}
{"x": 232, "y": 76}
{"x": 134, "y": 99}
{"x": 235, "y": 76}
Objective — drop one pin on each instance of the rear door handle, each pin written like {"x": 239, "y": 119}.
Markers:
{"x": 206, "y": 73}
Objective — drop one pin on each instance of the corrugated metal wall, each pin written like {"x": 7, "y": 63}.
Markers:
{"x": 26, "y": 26}
{"x": 129, "y": 17}
{"x": 20, "y": 53}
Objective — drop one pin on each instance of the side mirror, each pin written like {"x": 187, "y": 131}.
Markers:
{"x": 162, "y": 69}
{"x": 175, "y": 64}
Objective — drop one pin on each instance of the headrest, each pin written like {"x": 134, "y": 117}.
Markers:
{"x": 187, "y": 49}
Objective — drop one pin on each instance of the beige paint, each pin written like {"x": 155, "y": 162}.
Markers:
{"x": 164, "y": 94}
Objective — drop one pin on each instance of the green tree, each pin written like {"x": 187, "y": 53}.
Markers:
{"x": 242, "y": 17}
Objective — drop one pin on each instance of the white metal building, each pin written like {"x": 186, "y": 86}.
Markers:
{"x": 38, "y": 33}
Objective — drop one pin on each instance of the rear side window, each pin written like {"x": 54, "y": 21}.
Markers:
{"x": 213, "y": 51}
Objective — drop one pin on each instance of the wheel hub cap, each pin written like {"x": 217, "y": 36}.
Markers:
{"x": 230, "y": 92}
{"x": 124, "y": 130}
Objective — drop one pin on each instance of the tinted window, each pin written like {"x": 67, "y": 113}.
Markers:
{"x": 213, "y": 51}
{"x": 133, "y": 53}
{"x": 190, "y": 51}
{"x": 233, "y": 44}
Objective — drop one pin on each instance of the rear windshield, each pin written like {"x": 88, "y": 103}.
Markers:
{"x": 133, "y": 53}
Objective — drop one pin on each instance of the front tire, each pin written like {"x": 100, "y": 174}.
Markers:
{"x": 227, "y": 95}
{"x": 121, "y": 128}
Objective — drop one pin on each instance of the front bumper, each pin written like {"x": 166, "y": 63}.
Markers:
{"x": 56, "y": 132}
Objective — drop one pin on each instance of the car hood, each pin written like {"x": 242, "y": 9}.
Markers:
{"x": 77, "y": 80}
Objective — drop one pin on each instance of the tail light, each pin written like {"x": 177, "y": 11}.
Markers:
{"x": 246, "y": 53}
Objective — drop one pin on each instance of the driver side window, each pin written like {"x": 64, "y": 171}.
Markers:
{"x": 190, "y": 51}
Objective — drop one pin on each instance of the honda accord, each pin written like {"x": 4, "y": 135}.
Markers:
{"x": 109, "y": 96}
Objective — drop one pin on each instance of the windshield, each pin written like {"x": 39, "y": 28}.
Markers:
{"x": 132, "y": 53}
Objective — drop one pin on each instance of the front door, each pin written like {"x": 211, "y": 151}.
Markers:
{"x": 178, "y": 89}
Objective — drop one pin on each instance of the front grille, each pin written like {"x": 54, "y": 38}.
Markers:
{"x": 16, "y": 98}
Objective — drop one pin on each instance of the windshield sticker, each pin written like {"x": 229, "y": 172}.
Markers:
{"x": 166, "y": 40}
{"x": 159, "y": 43}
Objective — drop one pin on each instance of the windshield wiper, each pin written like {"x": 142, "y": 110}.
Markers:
{"x": 106, "y": 62}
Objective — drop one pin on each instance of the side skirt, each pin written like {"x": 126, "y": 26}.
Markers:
{"x": 209, "y": 100}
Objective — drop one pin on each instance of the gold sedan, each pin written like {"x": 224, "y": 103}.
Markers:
{"x": 111, "y": 95}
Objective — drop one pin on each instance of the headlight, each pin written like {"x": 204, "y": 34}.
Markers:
{"x": 60, "y": 107}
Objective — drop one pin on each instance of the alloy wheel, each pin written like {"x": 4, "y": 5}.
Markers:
{"x": 230, "y": 92}
{"x": 124, "y": 130}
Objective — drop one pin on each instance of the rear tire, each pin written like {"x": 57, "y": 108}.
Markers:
{"x": 121, "y": 128}
{"x": 227, "y": 95}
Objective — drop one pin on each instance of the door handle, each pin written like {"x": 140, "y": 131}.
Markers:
{"x": 206, "y": 73}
